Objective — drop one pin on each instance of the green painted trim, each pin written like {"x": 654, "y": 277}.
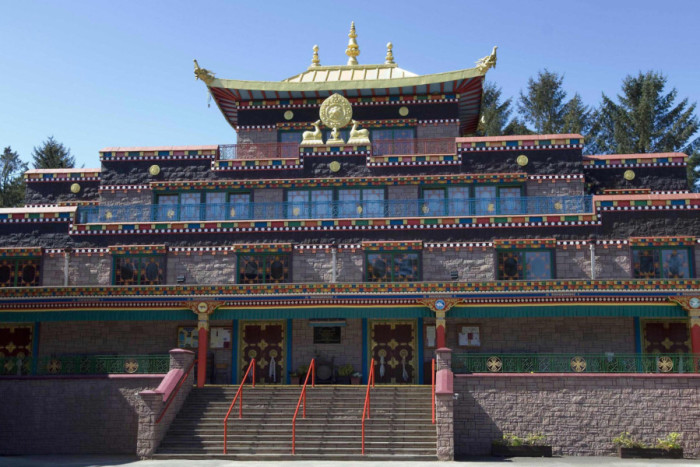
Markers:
{"x": 398, "y": 312}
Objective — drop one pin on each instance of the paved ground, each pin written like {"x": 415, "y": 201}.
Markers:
{"x": 85, "y": 461}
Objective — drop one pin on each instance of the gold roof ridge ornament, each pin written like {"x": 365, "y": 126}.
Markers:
{"x": 202, "y": 73}
{"x": 389, "y": 60}
{"x": 484, "y": 64}
{"x": 315, "y": 61}
{"x": 353, "y": 49}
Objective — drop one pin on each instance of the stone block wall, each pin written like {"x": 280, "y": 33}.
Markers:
{"x": 476, "y": 264}
{"x": 579, "y": 414}
{"x": 572, "y": 262}
{"x": 348, "y": 351}
{"x": 555, "y": 188}
{"x": 108, "y": 337}
{"x": 126, "y": 198}
{"x": 201, "y": 267}
{"x": 612, "y": 262}
{"x": 438, "y": 130}
{"x": 85, "y": 415}
{"x": 90, "y": 269}
{"x": 312, "y": 266}
{"x": 52, "y": 271}
{"x": 350, "y": 266}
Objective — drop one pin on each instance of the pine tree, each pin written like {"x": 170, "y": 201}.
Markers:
{"x": 52, "y": 155}
{"x": 543, "y": 106}
{"x": 11, "y": 181}
{"x": 645, "y": 119}
{"x": 494, "y": 113}
{"x": 577, "y": 117}
{"x": 694, "y": 170}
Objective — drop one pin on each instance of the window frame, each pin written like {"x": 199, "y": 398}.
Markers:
{"x": 203, "y": 205}
{"x": 16, "y": 272}
{"x": 522, "y": 254}
{"x": 392, "y": 253}
{"x": 691, "y": 261}
{"x": 265, "y": 256}
{"x": 472, "y": 211}
{"x": 116, "y": 258}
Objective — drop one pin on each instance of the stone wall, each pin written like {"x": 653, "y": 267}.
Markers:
{"x": 579, "y": 414}
{"x": 52, "y": 270}
{"x": 108, "y": 337}
{"x": 438, "y": 130}
{"x": 612, "y": 262}
{"x": 572, "y": 262}
{"x": 127, "y": 198}
{"x": 477, "y": 264}
{"x": 86, "y": 415}
{"x": 312, "y": 266}
{"x": 350, "y": 266}
{"x": 201, "y": 267}
{"x": 348, "y": 351}
{"x": 555, "y": 188}
{"x": 90, "y": 269}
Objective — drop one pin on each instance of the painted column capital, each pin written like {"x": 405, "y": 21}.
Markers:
{"x": 203, "y": 309}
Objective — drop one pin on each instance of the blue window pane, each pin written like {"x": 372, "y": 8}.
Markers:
{"x": 373, "y": 202}
{"x": 434, "y": 202}
{"x": 167, "y": 208}
{"x": 509, "y": 200}
{"x": 297, "y": 204}
{"x": 458, "y": 201}
{"x": 485, "y": 200}
{"x": 189, "y": 206}
{"x": 349, "y": 202}
{"x": 675, "y": 263}
{"x": 321, "y": 204}
{"x": 216, "y": 206}
{"x": 538, "y": 265}
{"x": 239, "y": 206}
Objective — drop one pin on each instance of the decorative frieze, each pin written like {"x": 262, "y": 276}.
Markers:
{"x": 538, "y": 243}
{"x": 123, "y": 250}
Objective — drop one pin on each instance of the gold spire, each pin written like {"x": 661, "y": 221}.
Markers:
{"x": 389, "y": 60}
{"x": 315, "y": 61}
{"x": 353, "y": 49}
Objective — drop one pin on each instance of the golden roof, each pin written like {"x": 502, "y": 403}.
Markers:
{"x": 325, "y": 74}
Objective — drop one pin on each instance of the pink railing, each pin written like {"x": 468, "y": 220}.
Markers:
{"x": 172, "y": 395}
{"x": 311, "y": 372}
{"x": 366, "y": 409}
{"x": 432, "y": 373}
{"x": 239, "y": 396}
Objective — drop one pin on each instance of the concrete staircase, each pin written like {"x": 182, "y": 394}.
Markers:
{"x": 400, "y": 427}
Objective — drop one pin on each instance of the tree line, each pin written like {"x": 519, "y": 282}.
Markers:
{"x": 644, "y": 118}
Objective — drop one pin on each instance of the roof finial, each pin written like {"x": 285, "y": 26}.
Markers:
{"x": 353, "y": 49}
{"x": 315, "y": 61}
{"x": 389, "y": 60}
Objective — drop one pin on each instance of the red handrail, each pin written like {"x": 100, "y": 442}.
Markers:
{"x": 365, "y": 410}
{"x": 311, "y": 371}
{"x": 171, "y": 398}
{"x": 238, "y": 393}
{"x": 433, "y": 389}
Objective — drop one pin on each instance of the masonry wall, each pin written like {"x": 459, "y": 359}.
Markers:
{"x": 573, "y": 263}
{"x": 579, "y": 414}
{"x": 312, "y": 266}
{"x": 612, "y": 262}
{"x": 555, "y": 188}
{"x": 201, "y": 267}
{"x": 52, "y": 270}
{"x": 88, "y": 415}
{"x": 143, "y": 197}
{"x": 90, "y": 269}
{"x": 470, "y": 264}
{"x": 350, "y": 266}
{"x": 348, "y": 351}
{"x": 258, "y": 136}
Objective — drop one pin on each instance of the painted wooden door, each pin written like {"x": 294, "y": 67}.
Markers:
{"x": 264, "y": 341}
{"x": 393, "y": 347}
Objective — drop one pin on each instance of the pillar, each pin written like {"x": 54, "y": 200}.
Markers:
{"x": 695, "y": 334}
{"x": 444, "y": 405}
{"x": 203, "y": 326}
{"x": 440, "y": 324}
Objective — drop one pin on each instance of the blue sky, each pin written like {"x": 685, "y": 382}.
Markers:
{"x": 95, "y": 74}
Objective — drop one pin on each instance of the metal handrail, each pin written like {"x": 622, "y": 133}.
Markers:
{"x": 238, "y": 393}
{"x": 366, "y": 408}
{"x": 310, "y": 372}
{"x": 336, "y": 209}
{"x": 432, "y": 373}
{"x": 171, "y": 398}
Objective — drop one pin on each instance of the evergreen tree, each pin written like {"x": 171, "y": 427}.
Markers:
{"x": 577, "y": 117}
{"x": 694, "y": 170}
{"x": 543, "y": 106}
{"x": 494, "y": 113}
{"x": 645, "y": 119}
{"x": 52, "y": 155}
{"x": 11, "y": 181}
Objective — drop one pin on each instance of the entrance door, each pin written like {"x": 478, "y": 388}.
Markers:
{"x": 393, "y": 347}
{"x": 265, "y": 342}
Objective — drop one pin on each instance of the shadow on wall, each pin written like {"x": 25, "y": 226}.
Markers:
{"x": 474, "y": 429}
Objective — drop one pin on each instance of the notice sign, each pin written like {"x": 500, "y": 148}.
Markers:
{"x": 469, "y": 336}
{"x": 327, "y": 335}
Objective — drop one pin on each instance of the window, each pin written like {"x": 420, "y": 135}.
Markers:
{"x": 393, "y": 141}
{"x": 667, "y": 263}
{"x": 361, "y": 202}
{"x": 525, "y": 265}
{"x": 452, "y": 201}
{"x": 309, "y": 204}
{"x": 393, "y": 266}
{"x": 263, "y": 269}
{"x": 139, "y": 270}
{"x": 459, "y": 201}
{"x": 19, "y": 272}
{"x": 207, "y": 205}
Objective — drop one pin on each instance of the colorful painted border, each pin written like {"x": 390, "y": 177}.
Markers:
{"x": 521, "y": 144}
{"x": 36, "y": 217}
{"x": 395, "y": 123}
{"x": 146, "y": 154}
{"x": 376, "y": 100}
{"x": 337, "y": 224}
{"x": 392, "y": 246}
{"x": 626, "y": 161}
{"x": 413, "y": 160}
{"x": 661, "y": 241}
{"x": 314, "y": 151}
{"x": 88, "y": 175}
{"x": 656, "y": 203}
{"x": 123, "y": 250}
{"x": 529, "y": 243}
{"x": 30, "y": 252}
{"x": 257, "y": 164}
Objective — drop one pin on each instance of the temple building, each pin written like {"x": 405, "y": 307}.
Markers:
{"x": 358, "y": 218}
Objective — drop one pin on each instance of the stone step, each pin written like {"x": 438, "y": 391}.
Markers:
{"x": 253, "y": 456}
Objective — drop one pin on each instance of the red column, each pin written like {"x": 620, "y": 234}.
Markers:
{"x": 202, "y": 357}
{"x": 440, "y": 334}
{"x": 695, "y": 335}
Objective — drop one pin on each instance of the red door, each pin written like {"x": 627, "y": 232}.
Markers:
{"x": 393, "y": 347}
{"x": 265, "y": 342}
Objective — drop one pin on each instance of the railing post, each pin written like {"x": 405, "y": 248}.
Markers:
{"x": 444, "y": 404}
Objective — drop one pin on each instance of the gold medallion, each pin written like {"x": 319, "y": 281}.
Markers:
{"x": 154, "y": 170}
{"x": 629, "y": 175}
{"x": 288, "y": 115}
{"x": 336, "y": 111}
{"x": 522, "y": 160}
{"x": 75, "y": 188}
{"x": 334, "y": 166}
{"x": 403, "y": 110}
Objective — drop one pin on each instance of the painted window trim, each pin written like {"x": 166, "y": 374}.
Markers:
{"x": 129, "y": 255}
{"x": 521, "y": 252}
{"x": 289, "y": 256}
{"x": 392, "y": 253}
{"x": 16, "y": 260}
{"x": 660, "y": 248}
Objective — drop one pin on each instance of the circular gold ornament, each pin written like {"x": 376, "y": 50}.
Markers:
{"x": 336, "y": 111}
{"x": 665, "y": 364}
{"x": 334, "y": 166}
{"x": 170, "y": 213}
{"x": 578, "y": 364}
{"x": 558, "y": 206}
{"x": 629, "y": 175}
{"x": 131, "y": 366}
{"x": 296, "y": 211}
{"x": 403, "y": 110}
{"x": 522, "y": 160}
{"x": 494, "y": 364}
{"x": 288, "y": 115}
{"x": 154, "y": 170}
{"x": 202, "y": 307}
{"x": 75, "y": 188}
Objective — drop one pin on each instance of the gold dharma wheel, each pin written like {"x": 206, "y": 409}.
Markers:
{"x": 494, "y": 364}
{"x": 131, "y": 366}
{"x": 578, "y": 364}
{"x": 665, "y": 364}
{"x": 336, "y": 111}
{"x": 54, "y": 366}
